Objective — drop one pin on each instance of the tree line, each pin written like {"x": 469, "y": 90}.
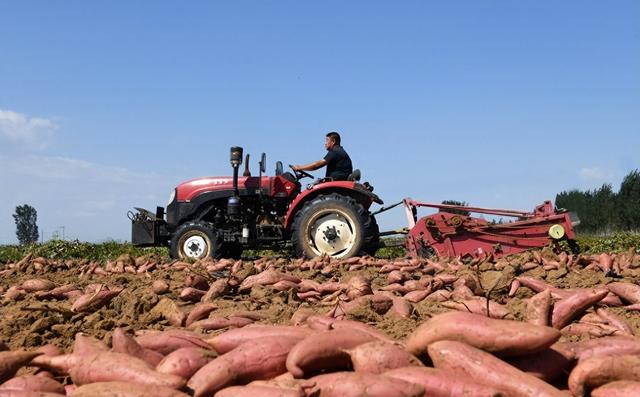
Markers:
{"x": 603, "y": 210}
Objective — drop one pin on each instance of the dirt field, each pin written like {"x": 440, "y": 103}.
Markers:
{"x": 28, "y": 321}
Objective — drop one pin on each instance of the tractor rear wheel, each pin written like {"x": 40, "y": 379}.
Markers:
{"x": 194, "y": 240}
{"x": 333, "y": 225}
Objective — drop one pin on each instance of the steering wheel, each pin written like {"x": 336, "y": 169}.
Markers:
{"x": 300, "y": 174}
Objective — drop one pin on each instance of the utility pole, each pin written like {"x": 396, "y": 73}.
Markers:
{"x": 62, "y": 227}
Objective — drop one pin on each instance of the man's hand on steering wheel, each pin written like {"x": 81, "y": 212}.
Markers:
{"x": 299, "y": 173}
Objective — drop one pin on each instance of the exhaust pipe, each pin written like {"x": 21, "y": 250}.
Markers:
{"x": 233, "y": 205}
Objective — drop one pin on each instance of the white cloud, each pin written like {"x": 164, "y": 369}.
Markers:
{"x": 21, "y": 129}
{"x": 594, "y": 174}
{"x": 90, "y": 199}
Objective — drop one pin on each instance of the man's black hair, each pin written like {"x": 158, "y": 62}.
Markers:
{"x": 335, "y": 136}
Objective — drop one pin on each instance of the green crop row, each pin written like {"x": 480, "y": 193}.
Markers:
{"x": 392, "y": 248}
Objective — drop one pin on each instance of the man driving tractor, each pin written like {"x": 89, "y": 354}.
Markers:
{"x": 337, "y": 160}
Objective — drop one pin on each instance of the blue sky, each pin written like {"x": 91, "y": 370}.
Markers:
{"x": 108, "y": 105}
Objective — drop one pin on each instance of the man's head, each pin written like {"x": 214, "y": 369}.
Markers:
{"x": 332, "y": 139}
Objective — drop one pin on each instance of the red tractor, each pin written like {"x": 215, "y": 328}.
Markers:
{"x": 221, "y": 216}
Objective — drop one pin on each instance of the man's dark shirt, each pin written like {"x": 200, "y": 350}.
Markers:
{"x": 339, "y": 165}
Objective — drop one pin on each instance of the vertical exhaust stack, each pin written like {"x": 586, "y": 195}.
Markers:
{"x": 233, "y": 205}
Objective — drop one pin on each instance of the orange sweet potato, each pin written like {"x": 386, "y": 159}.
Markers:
{"x": 351, "y": 384}
{"x": 608, "y": 345}
{"x": 440, "y": 383}
{"x": 168, "y": 341}
{"x": 487, "y": 369}
{"x": 621, "y": 388}
{"x": 261, "y": 358}
{"x": 567, "y": 309}
{"x": 258, "y": 390}
{"x": 233, "y": 338}
{"x": 186, "y": 361}
{"x": 597, "y": 371}
{"x": 33, "y": 383}
{"x": 377, "y": 357}
{"x": 325, "y": 351}
{"x": 125, "y": 389}
{"x": 123, "y": 343}
{"x": 112, "y": 367}
{"x": 12, "y": 361}
{"x": 539, "y": 308}
{"x": 503, "y": 337}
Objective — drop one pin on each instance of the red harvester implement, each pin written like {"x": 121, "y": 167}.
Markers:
{"x": 451, "y": 232}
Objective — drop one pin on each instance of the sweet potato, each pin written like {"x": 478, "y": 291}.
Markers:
{"x": 629, "y": 292}
{"x": 185, "y": 362}
{"x": 484, "y": 368}
{"x": 267, "y": 277}
{"x": 261, "y": 358}
{"x": 378, "y": 357}
{"x": 609, "y": 345}
{"x": 621, "y": 388}
{"x": 217, "y": 289}
{"x": 87, "y": 345}
{"x": 401, "y": 307}
{"x": 27, "y": 393}
{"x": 168, "y": 341}
{"x": 199, "y": 312}
{"x": 167, "y": 309}
{"x": 12, "y": 361}
{"x": 440, "y": 383}
{"x": 478, "y": 305}
{"x": 567, "y": 309}
{"x": 191, "y": 294}
{"x": 378, "y": 302}
{"x": 94, "y": 300}
{"x": 503, "y": 337}
{"x": 615, "y": 320}
{"x": 233, "y": 338}
{"x": 440, "y": 295}
{"x": 325, "y": 351}
{"x": 593, "y": 330}
{"x": 258, "y": 390}
{"x": 214, "y": 323}
{"x": 360, "y": 326}
{"x": 160, "y": 287}
{"x": 123, "y": 343}
{"x": 417, "y": 296}
{"x": 350, "y": 384}
{"x": 37, "y": 284}
{"x": 118, "y": 367}
{"x": 58, "y": 364}
{"x": 539, "y": 308}
{"x": 597, "y": 371}
{"x": 33, "y": 383}
{"x": 125, "y": 389}
{"x": 547, "y": 365}
{"x": 358, "y": 286}
{"x": 57, "y": 293}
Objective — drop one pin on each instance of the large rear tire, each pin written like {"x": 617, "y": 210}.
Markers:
{"x": 334, "y": 225}
{"x": 195, "y": 240}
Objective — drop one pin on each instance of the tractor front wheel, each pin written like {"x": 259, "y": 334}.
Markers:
{"x": 333, "y": 225}
{"x": 194, "y": 240}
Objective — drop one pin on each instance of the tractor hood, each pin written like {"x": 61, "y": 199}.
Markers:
{"x": 190, "y": 189}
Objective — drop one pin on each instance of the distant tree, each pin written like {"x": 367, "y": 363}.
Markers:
{"x": 26, "y": 227}
{"x": 629, "y": 201}
{"x": 456, "y": 211}
{"x": 603, "y": 210}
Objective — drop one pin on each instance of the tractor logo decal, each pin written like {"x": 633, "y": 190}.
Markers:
{"x": 212, "y": 181}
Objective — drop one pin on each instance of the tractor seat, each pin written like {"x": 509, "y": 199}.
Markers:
{"x": 355, "y": 176}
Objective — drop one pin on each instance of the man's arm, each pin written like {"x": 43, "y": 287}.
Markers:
{"x": 310, "y": 167}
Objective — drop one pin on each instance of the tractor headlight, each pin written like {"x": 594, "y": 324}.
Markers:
{"x": 172, "y": 197}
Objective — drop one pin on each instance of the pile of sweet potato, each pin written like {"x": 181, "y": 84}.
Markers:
{"x": 451, "y": 354}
